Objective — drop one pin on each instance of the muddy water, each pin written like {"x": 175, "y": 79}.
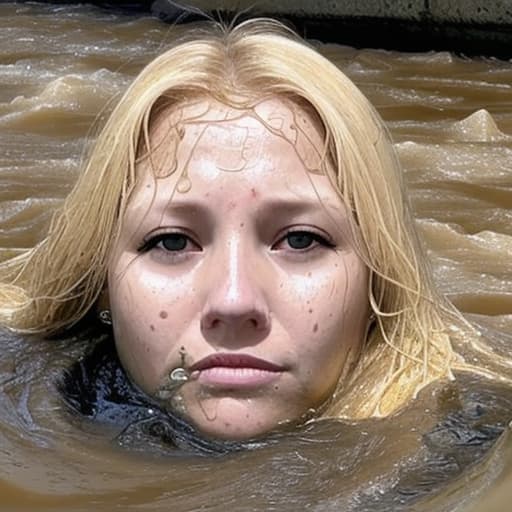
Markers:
{"x": 451, "y": 118}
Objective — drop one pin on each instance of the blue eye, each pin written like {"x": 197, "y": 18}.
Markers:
{"x": 173, "y": 242}
{"x": 300, "y": 239}
{"x": 169, "y": 242}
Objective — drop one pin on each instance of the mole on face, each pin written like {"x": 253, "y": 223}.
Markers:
{"x": 163, "y": 314}
{"x": 183, "y": 353}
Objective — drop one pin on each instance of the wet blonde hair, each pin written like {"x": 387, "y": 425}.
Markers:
{"x": 52, "y": 286}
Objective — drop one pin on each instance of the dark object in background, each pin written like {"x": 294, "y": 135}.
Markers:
{"x": 469, "y": 27}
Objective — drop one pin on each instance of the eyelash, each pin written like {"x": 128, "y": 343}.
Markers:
{"x": 316, "y": 237}
{"x": 153, "y": 241}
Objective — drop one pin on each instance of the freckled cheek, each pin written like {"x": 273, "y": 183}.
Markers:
{"x": 306, "y": 294}
{"x": 327, "y": 304}
{"x": 306, "y": 314}
{"x": 150, "y": 315}
{"x": 154, "y": 293}
{"x": 155, "y": 309}
{"x": 321, "y": 362}
{"x": 139, "y": 355}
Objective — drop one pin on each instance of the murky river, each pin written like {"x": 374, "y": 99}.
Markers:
{"x": 60, "y": 69}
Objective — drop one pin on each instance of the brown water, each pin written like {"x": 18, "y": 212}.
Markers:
{"x": 451, "y": 118}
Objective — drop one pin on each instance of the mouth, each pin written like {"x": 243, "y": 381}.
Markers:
{"x": 235, "y": 371}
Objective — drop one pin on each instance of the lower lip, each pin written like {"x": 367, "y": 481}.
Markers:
{"x": 221, "y": 376}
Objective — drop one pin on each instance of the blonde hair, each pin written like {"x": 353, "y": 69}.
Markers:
{"x": 53, "y": 286}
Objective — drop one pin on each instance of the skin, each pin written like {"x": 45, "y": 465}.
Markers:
{"x": 232, "y": 252}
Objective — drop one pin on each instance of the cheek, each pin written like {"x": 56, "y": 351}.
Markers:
{"x": 145, "y": 295}
{"x": 330, "y": 316}
{"x": 328, "y": 297}
{"x": 149, "y": 313}
{"x": 333, "y": 328}
{"x": 346, "y": 298}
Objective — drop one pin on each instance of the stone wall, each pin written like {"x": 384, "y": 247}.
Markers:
{"x": 453, "y": 11}
{"x": 468, "y": 27}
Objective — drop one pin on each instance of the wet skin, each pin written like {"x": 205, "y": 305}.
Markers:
{"x": 232, "y": 266}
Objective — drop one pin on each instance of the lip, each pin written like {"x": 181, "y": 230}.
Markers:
{"x": 235, "y": 361}
{"x": 235, "y": 371}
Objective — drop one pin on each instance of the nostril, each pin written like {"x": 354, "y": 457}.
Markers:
{"x": 210, "y": 322}
{"x": 213, "y": 320}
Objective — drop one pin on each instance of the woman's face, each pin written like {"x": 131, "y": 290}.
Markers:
{"x": 239, "y": 267}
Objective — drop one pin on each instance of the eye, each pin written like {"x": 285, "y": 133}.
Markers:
{"x": 173, "y": 242}
{"x": 169, "y": 242}
{"x": 302, "y": 240}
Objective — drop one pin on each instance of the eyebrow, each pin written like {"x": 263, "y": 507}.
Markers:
{"x": 290, "y": 205}
{"x": 268, "y": 210}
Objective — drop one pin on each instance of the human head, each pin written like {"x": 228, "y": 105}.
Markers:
{"x": 235, "y": 246}
{"x": 60, "y": 280}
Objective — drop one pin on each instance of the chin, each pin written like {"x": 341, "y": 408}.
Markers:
{"x": 231, "y": 432}
{"x": 236, "y": 420}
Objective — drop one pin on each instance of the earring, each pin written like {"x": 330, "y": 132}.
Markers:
{"x": 105, "y": 317}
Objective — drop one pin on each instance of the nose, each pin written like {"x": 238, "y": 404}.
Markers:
{"x": 235, "y": 310}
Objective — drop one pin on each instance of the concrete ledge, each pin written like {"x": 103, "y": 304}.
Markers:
{"x": 469, "y": 27}
{"x": 479, "y": 12}
{"x": 497, "y": 12}
{"x": 452, "y": 11}
{"x": 399, "y": 9}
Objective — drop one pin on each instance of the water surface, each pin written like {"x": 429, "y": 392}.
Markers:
{"x": 61, "y": 69}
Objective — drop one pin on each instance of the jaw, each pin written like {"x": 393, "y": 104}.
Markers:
{"x": 234, "y": 416}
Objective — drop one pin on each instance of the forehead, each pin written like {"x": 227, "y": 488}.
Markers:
{"x": 204, "y": 148}
{"x": 235, "y": 135}
{"x": 206, "y": 156}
